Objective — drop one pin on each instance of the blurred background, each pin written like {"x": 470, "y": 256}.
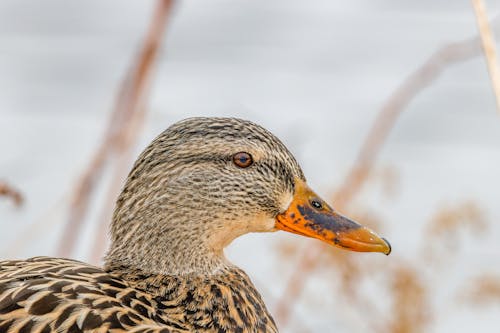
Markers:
{"x": 387, "y": 105}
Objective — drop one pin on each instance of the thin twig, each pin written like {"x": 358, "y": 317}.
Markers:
{"x": 10, "y": 192}
{"x": 122, "y": 127}
{"x": 133, "y": 104}
{"x": 489, "y": 47}
{"x": 374, "y": 140}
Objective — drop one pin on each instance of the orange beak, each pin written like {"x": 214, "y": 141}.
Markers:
{"x": 308, "y": 215}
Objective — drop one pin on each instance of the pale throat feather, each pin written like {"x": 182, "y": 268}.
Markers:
{"x": 172, "y": 242}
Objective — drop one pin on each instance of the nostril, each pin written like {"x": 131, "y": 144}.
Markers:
{"x": 316, "y": 204}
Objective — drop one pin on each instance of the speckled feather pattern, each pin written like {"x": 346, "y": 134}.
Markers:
{"x": 182, "y": 203}
{"x": 60, "y": 295}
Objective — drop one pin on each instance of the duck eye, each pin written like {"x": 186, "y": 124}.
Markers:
{"x": 242, "y": 159}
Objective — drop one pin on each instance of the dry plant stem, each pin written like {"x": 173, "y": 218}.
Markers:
{"x": 397, "y": 102}
{"x": 80, "y": 200}
{"x": 120, "y": 130}
{"x": 8, "y": 191}
{"x": 132, "y": 103}
{"x": 488, "y": 47}
{"x": 374, "y": 140}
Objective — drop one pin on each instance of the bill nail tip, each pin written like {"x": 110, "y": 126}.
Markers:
{"x": 389, "y": 245}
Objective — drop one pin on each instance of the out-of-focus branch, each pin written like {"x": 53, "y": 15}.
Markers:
{"x": 427, "y": 73}
{"x": 133, "y": 103}
{"x": 122, "y": 130}
{"x": 488, "y": 47}
{"x": 10, "y": 192}
{"x": 374, "y": 140}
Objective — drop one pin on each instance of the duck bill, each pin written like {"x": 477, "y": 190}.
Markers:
{"x": 308, "y": 215}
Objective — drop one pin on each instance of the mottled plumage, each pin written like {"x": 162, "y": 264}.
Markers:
{"x": 184, "y": 201}
{"x": 60, "y": 295}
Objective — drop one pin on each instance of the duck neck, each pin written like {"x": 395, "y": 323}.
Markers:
{"x": 164, "y": 241}
{"x": 166, "y": 251}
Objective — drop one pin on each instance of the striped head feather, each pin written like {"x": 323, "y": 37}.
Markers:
{"x": 186, "y": 198}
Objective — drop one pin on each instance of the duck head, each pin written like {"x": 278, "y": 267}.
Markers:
{"x": 205, "y": 181}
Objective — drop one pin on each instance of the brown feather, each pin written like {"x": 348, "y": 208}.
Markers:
{"x": 45, "y": 294}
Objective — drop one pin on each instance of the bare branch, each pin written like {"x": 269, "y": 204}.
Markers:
{"x": 488, "y": 47}
{"x": 132, "y": 104}
{"x": 123, "y": 127}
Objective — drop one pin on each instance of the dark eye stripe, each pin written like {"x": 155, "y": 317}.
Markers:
{"x": 242, "y": 159}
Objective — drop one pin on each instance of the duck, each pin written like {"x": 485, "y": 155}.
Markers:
{"x": 199, "y": 185}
